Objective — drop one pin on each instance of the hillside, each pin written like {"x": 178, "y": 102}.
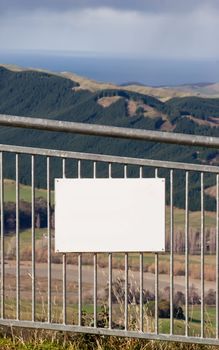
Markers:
{"x": 54, "y": 96}
{"x": 163, "y": 93}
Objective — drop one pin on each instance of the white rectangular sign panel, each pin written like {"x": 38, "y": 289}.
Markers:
{"x": 109, "y": 215}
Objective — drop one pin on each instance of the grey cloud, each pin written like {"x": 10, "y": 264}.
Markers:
{"x": 150, "y": 6}
{"x": 102, "y": 31}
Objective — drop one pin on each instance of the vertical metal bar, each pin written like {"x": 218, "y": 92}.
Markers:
{"x": 156, "y": 293}
{"x": 95, "y": 268}
{"x": 141, "y": 172}
{"x": 79, "y": 270}
{"x": 94, "y": 170}
{"x": 141, "y": 259}
{"x": 2, "y": 239}
{"x": 171, "y": 254}
{"x": 110, "y": 268}
{"x": 33, "y": 235}
{"x": 202, "y": 254}
{"x": 187, "y": 256}
{"x": 79, "y": 289}
{"x": 64, "y": 288}
{"x": 79, "y": 169}
{"x": 125, "y": 171}
{"x": 17, "y": 239}
{"x": 126, "y": 274}
{"x": 217, "y": 257}
{"x": 49, "y": 243}
{"x": 156, "y": 285}
{"x": 126, "y": 291}
{"x": 64, "y": 263}
{"x": 110, "y": 170}
{"x": 110, "y": 289}
{"x": 95, "y": 290}
{"x": 63, "y": 168}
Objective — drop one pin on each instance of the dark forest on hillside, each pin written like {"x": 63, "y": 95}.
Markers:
{"x": 44, "y": 95}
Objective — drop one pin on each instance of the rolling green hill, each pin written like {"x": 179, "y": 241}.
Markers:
{"x": 46, "y": 95}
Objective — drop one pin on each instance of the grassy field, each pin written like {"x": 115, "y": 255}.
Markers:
{"x": 25, "y": 240}
{"x": 25, "y": 192}
{"x": 179, "y": 325}
{"x": 194, "y": 219}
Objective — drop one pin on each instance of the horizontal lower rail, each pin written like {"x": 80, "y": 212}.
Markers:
{"x": 109, "y": 159}
{"x": 107, "y": 331}
{"x": 108, "y": 131}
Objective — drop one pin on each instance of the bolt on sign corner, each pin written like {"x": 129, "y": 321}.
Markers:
{"x": 110, "y": 215}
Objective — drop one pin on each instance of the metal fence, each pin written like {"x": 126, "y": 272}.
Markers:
{"x": 109, "y": 294}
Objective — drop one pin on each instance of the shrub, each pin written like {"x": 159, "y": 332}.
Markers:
{"x": 118, "y": 293}
{"x": 210, "y": 298}
{"x": 179, "y": 298}
{"x": 164, "y": 310}
{"x": 194, "y": 297}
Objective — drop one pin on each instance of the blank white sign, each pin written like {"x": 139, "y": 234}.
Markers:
{"x": 109, "y": 215}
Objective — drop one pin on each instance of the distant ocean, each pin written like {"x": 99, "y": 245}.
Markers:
{"x": 152, "y": 72}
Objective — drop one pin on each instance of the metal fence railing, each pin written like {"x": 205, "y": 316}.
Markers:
{"x": 167, "y": 296}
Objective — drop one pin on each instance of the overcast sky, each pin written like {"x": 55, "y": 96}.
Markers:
{"x": 185, "y": 29}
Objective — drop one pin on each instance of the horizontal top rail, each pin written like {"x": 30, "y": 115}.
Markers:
{"x": 109, "y": 159}
{"x": 108, "y": 131}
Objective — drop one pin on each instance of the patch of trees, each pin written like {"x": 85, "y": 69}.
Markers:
{"x": 188, "y": 126}
{"x": 194, "y": 242}
{"x": 31, "y": 92}
{"x": 198, "y": 107}
{"x": 146, "y": 99}
{"x": 25, "y": 215}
